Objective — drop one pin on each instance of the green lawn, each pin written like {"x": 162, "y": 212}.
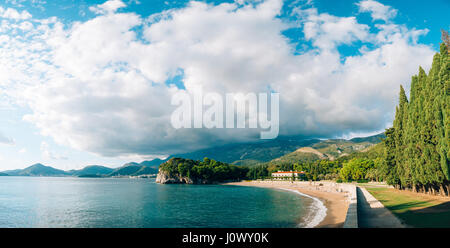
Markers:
{"x": 414, "y": 209}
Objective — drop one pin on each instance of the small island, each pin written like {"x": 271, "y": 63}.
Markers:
{"x": 208, "y": 171}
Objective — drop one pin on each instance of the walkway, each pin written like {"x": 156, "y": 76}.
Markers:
{"x": 372, "y": 214}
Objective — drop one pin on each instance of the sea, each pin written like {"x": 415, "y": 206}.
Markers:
{"x": 141, "y": 203}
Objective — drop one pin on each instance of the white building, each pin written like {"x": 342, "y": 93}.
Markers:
{"x": 282, "y": 174}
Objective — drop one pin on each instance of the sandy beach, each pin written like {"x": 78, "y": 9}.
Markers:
{"x": 334, "y": 199}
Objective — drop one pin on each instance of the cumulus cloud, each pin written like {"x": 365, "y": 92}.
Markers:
{"x": 100, "y": 86}
{"x": 110, "y": 6}
{"x": 377, "y": 10}
{"x": 327, "y": 31}
{"x": 11, "y": 13}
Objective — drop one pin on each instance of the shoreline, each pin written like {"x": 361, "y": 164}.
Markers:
{"x": 319, "y": 214}
{"x": 333, "y": 199}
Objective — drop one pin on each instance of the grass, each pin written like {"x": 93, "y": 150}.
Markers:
{"x": 415, "y": 210}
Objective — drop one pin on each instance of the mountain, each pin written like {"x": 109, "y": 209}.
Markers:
{"x": 249, "y": 153}
{"x": 372, "y": 139}
{"x": 126, "y": 169}
{"x": 37, "y": 170}
{"x": 301, "y": 155}
{"x": 372, "y": 152}
{"x": 153, "y": 163}
{"x": 129, "y": 169}
{"x": 284, "y": 149}
{"x": 335, "y": 148}
{"x": 11, "y": 172}
{"x": 280, "y": 150}
{"x": 92, "y": 170}
{"x": 145, "y": 170}
{"x": 133, "y": 169}
{"x": 329, "y": 149}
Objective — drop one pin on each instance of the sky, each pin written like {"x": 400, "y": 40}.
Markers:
{"x": 90, "y": 82}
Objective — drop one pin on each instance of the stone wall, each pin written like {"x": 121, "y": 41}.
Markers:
{"x": 351, "y": 220}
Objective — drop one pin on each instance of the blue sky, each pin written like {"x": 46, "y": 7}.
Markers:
{"x": 90, "y": 86}
{"x": 414, "y": 14}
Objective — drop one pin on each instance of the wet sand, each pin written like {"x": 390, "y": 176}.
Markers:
{"x": 334, "y": 200}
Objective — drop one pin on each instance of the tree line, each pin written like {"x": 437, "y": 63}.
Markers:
{"x": 345, "y": 169}
{"x": 208, "y": 170}
{"x": 416, "y": 155}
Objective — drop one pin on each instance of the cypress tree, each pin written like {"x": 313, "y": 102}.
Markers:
{"x": 388, "y": 166}
{"x": 402, "y": 169}
{"x": 417, "y": 146}
{"x": 443, "y": 80}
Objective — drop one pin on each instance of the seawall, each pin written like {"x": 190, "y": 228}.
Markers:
{"x": 351, "y": 220}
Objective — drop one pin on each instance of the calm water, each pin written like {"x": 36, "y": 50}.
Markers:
{"x": 115, "y": 202}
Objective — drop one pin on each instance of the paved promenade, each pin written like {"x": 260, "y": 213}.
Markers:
{"x": 372, "y": 214}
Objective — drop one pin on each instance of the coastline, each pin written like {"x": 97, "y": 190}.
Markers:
{"x": 334, "y": 199}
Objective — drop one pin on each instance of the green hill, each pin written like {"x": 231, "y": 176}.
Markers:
{"x": 153, "y": 163}
{"x": 12, "y": 172}
{"x": 372, "y": 139}
{"x": 372, "y": 152}
{"x": 92, "y": 170}
{"x": 38, "y": 170}
{"x": 145, "y": 170}
{"x": 301, "y": 155}
{"x": 331, "y": 149}
{"x": 133, "y": 169}
{"x": 335, "y": 148}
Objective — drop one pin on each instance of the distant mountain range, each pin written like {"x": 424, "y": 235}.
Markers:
{"x": 281, "y": 150}
{"x": 92, "y": 170}
{"x": 130, "y": 169}
{"x": 37, "y": 170}
{"x": 134, "y": 169}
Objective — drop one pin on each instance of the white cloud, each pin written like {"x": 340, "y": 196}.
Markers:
{"x": 35, "y": 3}
{"x": 327, "y": 31}
{"x": 377, "y": 10}
{"x": 108, "y": 7}
{"x": 11, "y": 13}
{"x": 95, "y": 86}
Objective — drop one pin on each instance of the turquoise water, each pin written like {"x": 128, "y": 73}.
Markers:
{"x": 120, "y": 202}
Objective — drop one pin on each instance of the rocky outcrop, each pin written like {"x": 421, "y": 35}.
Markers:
{"x": 164, "y": 178}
